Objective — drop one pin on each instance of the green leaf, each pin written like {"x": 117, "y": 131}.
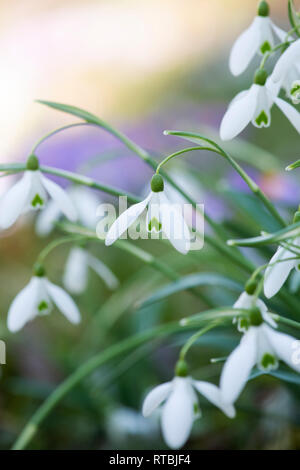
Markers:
{"x": 223, "y": 313}
{"x": 292, "y": 166}
{"x": 289, "y": 232}
{"x": 293, "y": 16}
{"x": 92, "y": 119}
{"x": 192, "y": 280}
{"x": 282, "y": 374}
{"x": 247, "y": 152}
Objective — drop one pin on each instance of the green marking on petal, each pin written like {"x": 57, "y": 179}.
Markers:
{"x": 295, "y": 91}
{"x": 262, "y": 119}
{"x": 154, "y": 224}
{"x": 37, "y": 201}
{"x": 43, "y": 306}
{"x": 243, "y": 324}
{"x": 265, "y": 47}
{"x": 268, "y": 362}
{"x": 196, "y": 409}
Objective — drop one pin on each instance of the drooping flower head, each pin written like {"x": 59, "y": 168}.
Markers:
{"x": 254, "y": 105}
{"x": 180, "y": 405}
{"x": 261, "y": 345}
{"x": 281, "y": 264}
{"x": 162, "y": 216}
{"x": 286, "y": 73}
{"x": 79, "y": 261}
{"x": 38, "y": 298}
{"x": 259, "y": 38}
{"x": 31, "y": 193}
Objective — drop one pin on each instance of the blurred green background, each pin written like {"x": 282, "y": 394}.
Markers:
{"x": 144, "y": 66}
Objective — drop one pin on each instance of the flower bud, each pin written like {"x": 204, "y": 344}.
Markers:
{"x": 181, "y": 369}
{"x": 157, "y": 183}
{"x": 39, "y": 270}
{"x": 260, "y": 77}
{"x": 263, "y": 9}
{"x": 256, "y": 318}
{"x": 32, "y": 163}
{"x": 250, "y": 286}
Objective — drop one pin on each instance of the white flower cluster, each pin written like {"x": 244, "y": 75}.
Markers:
{"x": 254, "y": 105}
{"x": 261, "y": 344}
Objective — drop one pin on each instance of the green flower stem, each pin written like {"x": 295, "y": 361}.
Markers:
{"x": 55, "y": 243}
{"x": 254, "y": 187}
{"x": 248, "y": 180}
{"x": 75, "y": 178}
{"x": 194, "y": 338}
{"x": 113, "y": 352}
{"x": 92, "y": 119}
{"x": 57, "y": 131}
{"x": 176, "y": 154}
{"x": 291, "y": 17}
{"x": 142, "y": 255}
{"x": 286, "y": 321}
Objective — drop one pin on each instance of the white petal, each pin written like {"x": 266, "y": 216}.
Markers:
{"x": 23, "y": 307}
{"x": 213, "y": 394}
{"x": 285, "y": 346}
{"x": 276, "y": 275}
{"x": 125, "y": 220}
{"x": 13, "y": 202}
{"x": 46, "y": 219}
{"x": 244, "y": 49}
{"x": 290, "y": 112}
{"x": 238, "y": 366}
{"x": 61, "y": 198}
{"x": 268, "y": 319}
{"x": 153, "y": 219}
{"x": 178, "y": 413}
{"x": 239, "y": 114}
{"x": 103, "y": 272}
{"x": 174, "y": 225}
{"x": 280, "y": 33}
{"x": 156, "y": 397}
{"x": 63, "y": 302}
{"x": 284, "y": 63}
{"x": 76, "y": 271}
{"x": 86, "y": 203}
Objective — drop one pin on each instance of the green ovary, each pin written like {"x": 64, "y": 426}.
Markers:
{"x": 265, "y": 47}
{"x": 268, "y": 361}
{"x": 37, "y": 201}
{"x": 43, "y": 306}
{"x": 262, "y": 118}
{"x": 154, "y": 224}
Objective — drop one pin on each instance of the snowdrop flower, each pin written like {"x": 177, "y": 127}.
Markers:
{"x": 287, "y": 70}
{"x": 181, "y": 405}
{"x": 85, "y": 203}
{"x": 278, "y": 270}
{"x": 162, "y": 216}
{"x": 30, "y": 193}
{"x": 75, "y": 277}
{"x": 261, "y": 345}
{"x": 38, "y": 298}
{"x": 258, "y": 38}
{"x": 246, "y": 301}
{"x": 254, "y": 105}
